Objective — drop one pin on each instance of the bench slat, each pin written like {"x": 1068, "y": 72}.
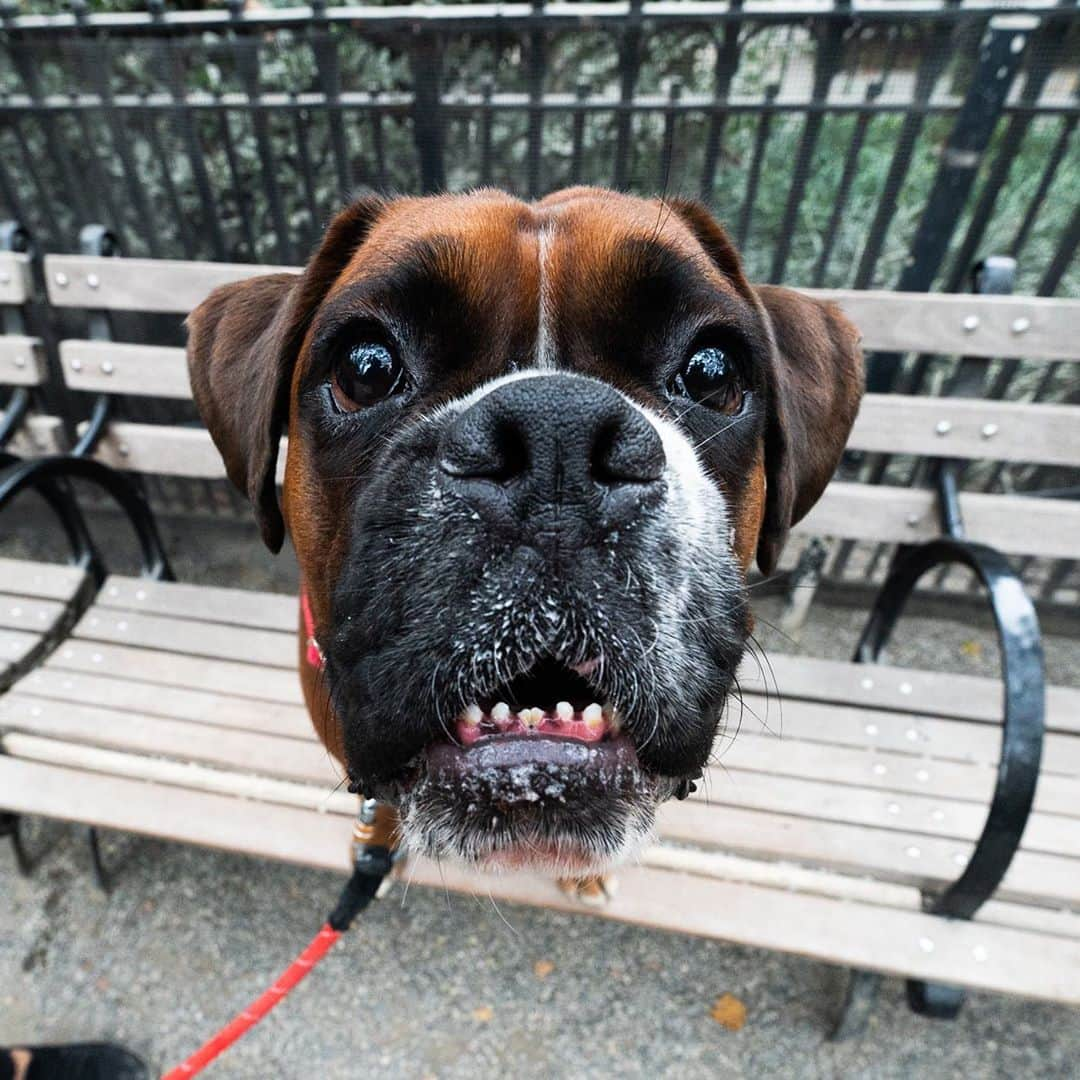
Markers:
{"x": 172, "y": 702}
{"x": 1020, "y": 326}
{"x": 28, "y": 613}
{"x": 22, "y": 361}
{"x": 880, "y": 686}
{"x": 1014, "y": 524}
{"x": 174, "y": 669}
{"x": 241, "y": 607}
{"x": 246, "y": 751}
{"x": 45, "y": 581}
{"x": 15, "y": 277}
{"x": 980, "y": 430}
{"x": 115, "y": 368}
{"x": 191, "y": 637}
{"x": 861, "y": 935}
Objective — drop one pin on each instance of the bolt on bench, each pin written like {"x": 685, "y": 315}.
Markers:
{"x": 888, "y": 830}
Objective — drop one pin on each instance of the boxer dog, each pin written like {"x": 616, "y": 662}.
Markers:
{"x": 533, "y": 449}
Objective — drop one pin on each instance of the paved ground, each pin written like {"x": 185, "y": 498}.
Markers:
{"x": 448, "y": 986}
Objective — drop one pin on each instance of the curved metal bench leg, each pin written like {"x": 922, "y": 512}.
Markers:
{"x": 859, "y": 1000}
{"x": 1021, "y": 729}
{"x": 101, "y": 875}
{"x": 9, "y": 826}
{"x": 935, "y": 1000}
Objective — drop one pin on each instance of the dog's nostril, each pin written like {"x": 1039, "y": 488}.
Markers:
{"x": 495, "y": 451}
{"x": 627, "y": 450}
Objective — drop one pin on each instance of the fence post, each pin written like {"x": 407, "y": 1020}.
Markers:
{"x": 629, "y": 63}
{"x": 537, "y": 70}
{"x": 425, "y": 57}
{"x": 1000, "y": 55}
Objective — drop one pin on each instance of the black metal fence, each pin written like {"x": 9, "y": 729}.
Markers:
{"x": 845, "y": 143}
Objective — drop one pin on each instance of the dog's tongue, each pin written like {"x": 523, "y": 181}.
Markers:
{"x": 590, "y": 725}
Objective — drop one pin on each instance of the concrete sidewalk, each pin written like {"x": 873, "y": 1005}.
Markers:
{"x": 448, "y": 986}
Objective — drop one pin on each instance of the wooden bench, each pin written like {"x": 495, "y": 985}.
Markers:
{"x": 175, "y": 710}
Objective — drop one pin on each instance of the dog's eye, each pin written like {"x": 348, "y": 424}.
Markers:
{"x": 710, "y": 377}
{"x": 365, "y": 372}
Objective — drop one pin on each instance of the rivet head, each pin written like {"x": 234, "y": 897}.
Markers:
{"x": 943, "y": 427}
{"x": 5, "y": 278}
{"x": 913, "y": 520}
{"x": 911, "y": 735}
{"x": 880, "y": 770}
{"x": 867, "y": 684}
{"x": 912, "y": 852}
{"x": 93, "y": 281}
{"x": 871, "y": 729}
{"x": 971, "y": 322}
{"x": 938, "y": 815}
{"x": 61, "y": 279}
{"x": 980, "y": 954}
{"x": 926, "y": 944}
{"x": 893, "y": 808}
{"x": 76, "y": 364}
{"x": 107, "y": 367}
{"x": 1021, "y": 325}
{"x": 905, "y": 688}
{"x": 922, "y": 776}
{"x": 123, "y": 449}
{"x": 989, "y": 430}
{"x": 20, "y": 361}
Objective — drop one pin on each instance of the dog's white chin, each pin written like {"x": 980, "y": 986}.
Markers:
{"x": 559, "y": 857}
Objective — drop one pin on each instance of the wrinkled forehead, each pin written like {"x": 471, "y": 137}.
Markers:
{"x": 487, "y": 245}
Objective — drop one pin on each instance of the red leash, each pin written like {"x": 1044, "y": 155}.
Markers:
{"x": 243, "y": 1021}
{"x": 370, "y": 865}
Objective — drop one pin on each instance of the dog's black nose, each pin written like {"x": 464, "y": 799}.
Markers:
{"x": 546, "y": 442}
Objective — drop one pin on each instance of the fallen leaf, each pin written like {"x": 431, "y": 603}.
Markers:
{"x": 543, "y": 968}
{"x": 484, "y": 1014}
{"x": 729, "y": 1012}
{"x": 972, "y": 649}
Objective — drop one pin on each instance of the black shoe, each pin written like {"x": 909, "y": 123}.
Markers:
{"x": 77, "y": 1061}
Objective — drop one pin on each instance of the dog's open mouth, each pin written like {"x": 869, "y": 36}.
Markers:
{"x": 549, "y": 735}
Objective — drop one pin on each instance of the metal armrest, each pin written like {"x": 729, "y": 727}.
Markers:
{"x": 43, "y": 473}
{"x": 1022, "y": 725}
{"x": 1024, "y": 703}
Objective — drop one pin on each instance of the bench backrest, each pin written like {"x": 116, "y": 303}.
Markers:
{"x": 988, "y": 327}
{"x": 22, "y": 359}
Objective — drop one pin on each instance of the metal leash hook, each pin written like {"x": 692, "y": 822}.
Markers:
{"x": 373, "y": 860}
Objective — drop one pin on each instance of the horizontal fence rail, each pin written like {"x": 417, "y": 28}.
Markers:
{"x": 846, "y": 145}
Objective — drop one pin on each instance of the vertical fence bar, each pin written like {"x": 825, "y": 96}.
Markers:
{"x": 96, "y": 60}
{"x": 761, "y": 139}
{"x": 425, "y": 57}
{"x": 629, "y": 65}
{"x": 534, "y": 146}
{"x": 1045, "y": 52}
{"x": 577, "y": 152}
{"x": 172, "y": 195}
{"x": 487, "y": 116}
{"x": 935, "y": 52}
{"x": 1053, "y": 162}
{"x": 667, "y": 142}
{"x": 727, "y": 63}
{"x": 324, "y": 48}
{"x": 827, "y": 55}
{"x": 246, "y": 53}
{"x": 171, "y": 63}
{"x": 240, "y": 193}
{"x": 1000, "y": 56}
{"x": 378, "y": 143}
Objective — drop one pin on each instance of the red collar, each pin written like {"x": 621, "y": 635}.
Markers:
{"x": 314, "y": 654}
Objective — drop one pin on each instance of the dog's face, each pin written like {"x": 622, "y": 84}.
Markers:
{"x": 532, "y": 451}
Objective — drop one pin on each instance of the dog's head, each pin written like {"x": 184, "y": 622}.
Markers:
{"x": 533, "y": 449}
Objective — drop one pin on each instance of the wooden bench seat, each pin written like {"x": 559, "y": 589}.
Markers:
{"x": 175, "y": 710}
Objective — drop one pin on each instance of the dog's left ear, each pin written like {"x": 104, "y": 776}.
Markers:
{"x": 817, "y": 383}
{"x": 243, "y": 341}
{"x": 815, "y": 386}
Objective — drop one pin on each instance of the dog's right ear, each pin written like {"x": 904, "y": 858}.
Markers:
{"x": 243, "y": 340}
